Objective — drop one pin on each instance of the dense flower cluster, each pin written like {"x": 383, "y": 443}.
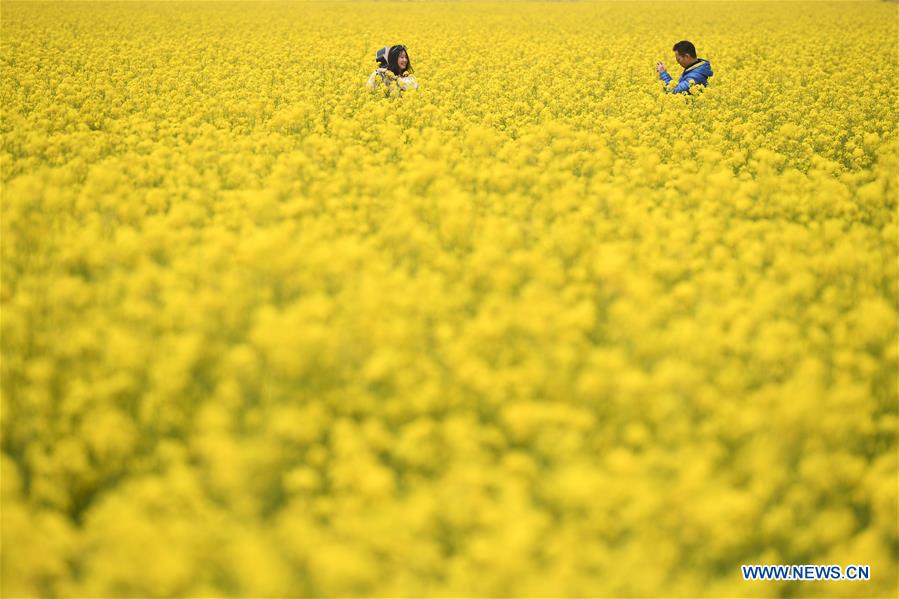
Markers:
{"x": 536, "y": 329}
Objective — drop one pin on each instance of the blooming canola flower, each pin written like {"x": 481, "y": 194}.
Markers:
{"x": 537, "y": 329}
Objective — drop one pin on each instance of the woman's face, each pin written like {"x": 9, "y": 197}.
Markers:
{"x": 402, "y": 60}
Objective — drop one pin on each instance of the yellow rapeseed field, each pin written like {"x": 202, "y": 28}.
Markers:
{"x": 536, "y": 329}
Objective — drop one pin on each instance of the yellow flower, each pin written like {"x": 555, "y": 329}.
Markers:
{"x": 539, "y": 329}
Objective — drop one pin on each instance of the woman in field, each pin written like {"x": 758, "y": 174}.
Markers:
{"x": 394, "y": 72}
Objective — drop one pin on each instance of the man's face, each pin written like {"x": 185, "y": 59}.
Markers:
{"x": 683, "y": 60}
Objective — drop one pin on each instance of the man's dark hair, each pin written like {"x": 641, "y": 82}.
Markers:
{"x": 685, "y": 47}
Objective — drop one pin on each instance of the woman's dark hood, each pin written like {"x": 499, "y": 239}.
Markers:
{"x": 388, "y": 57}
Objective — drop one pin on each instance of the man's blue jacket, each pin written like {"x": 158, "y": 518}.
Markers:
{"x": 697, "y": 73}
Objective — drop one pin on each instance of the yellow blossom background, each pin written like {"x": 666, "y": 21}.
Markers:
{"x": 538, "y": 329}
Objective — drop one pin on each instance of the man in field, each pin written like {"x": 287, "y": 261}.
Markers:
{"x": 696, "y": 70}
